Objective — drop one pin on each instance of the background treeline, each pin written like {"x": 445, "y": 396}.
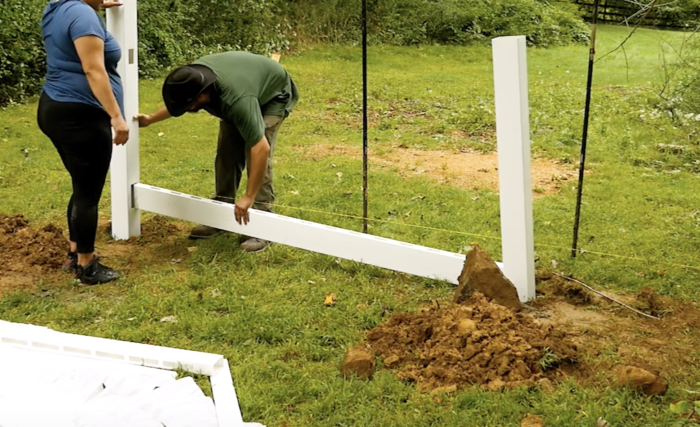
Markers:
{"x": 172, "y": 32}
{"x": 175, "y": 31}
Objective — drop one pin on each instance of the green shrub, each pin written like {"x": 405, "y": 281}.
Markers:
{"x": 173, "y": 32}
{"x": 22, "y": 59}
{"x": 164, "y": 35}
{"x": 679, "y": 91}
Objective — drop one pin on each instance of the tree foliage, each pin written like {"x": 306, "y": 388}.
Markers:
{"x": 172, "y": 32}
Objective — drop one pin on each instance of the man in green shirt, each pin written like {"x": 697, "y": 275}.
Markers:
{"x": 252, "y": 95}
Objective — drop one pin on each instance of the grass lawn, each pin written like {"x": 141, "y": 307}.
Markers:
{"x": 265, "y": 312}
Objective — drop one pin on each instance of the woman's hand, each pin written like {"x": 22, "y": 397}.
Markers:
{"x": 106, "y": 4}
{"x": 121, "y": 130}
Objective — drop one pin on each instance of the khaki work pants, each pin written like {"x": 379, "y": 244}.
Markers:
{"x": 232, "y": 156}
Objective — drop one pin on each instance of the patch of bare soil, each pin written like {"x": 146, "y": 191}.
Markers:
{"x": 31, "y": 254}
{"x": 565, "y": 333}
{"x": 28, "y": 253}
{"x": 457, "y": 169}
{"x": 161, "y": 242}
{"x": 611, "y": 336}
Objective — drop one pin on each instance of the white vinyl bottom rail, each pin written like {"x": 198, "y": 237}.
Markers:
{"x": 48, "y": 378}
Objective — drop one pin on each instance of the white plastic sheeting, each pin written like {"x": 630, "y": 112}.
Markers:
{"x": 43, "y": 389}
{"x": 50, "y": 378}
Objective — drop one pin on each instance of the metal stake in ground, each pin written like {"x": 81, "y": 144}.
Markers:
{"x": 584, "y": 139}
{"x": 364, "y": 116}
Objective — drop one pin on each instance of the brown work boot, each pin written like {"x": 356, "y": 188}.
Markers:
{"x": 204, "y": 232}
{"x": 253, "y": 245}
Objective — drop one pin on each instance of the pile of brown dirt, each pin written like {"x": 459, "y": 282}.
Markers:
{"x": 28, "y": 253}
{"x": 27, "y": 247}
{"x": 476, "y": 342}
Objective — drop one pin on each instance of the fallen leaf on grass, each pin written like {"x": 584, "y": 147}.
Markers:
{"x": 339, "y": 175}
{"x": 192, "y": 249}
{"x": 160, "y": 134}
{"x": 169, "y": 319}
{"x": 418, "y": 198}
{"x": 330, "y": 299}
{"x": 311, "y": 282}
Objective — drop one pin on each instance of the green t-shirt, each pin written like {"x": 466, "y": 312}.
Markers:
{"x": 249, "y": 86}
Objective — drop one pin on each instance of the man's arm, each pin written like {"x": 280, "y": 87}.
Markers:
{"x": 148, "y": 119}
{"x": 259, "y": 155}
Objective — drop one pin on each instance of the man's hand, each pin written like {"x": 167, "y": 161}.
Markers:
{"x": 121, "y": 130}
{"x": 106, "y": 4}
{"x": 241, "y": 210}
{"x": 144, "y": 120}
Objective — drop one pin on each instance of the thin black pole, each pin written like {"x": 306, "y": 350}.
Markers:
{"x": 584, "y": 140}
{"x": 364, "y": 116}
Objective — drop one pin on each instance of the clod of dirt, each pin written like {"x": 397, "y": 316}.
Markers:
{"x": 391, "y": 361}
{"x": 649, "y": 301}
{"x": 481, "y": 274}
{"x": 546, "y": 385}
{"x": 476, "y": 342}
{"x": 25, "y": 248}
{"x": 576, "y": 294}
{"x": 360, "y": 361}
{"x": 532, "y": 421}
{"x": 11, "y": 224}
{"x": 638, "y": 378}
{"x": 446, "y": 390}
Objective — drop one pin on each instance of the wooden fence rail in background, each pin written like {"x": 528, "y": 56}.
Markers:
{"x": 624, "y": 12}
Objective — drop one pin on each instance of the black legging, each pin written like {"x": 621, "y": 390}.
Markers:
{"x": 82, "y": 134}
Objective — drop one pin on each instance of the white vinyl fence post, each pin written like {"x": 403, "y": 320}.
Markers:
{"x": 126, "y": 218}
{"x": 513, "y": 134}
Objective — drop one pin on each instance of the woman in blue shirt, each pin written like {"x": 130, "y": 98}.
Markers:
{"x": 81, "y": 102}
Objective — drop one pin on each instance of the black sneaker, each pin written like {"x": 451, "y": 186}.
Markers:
{"x": 95, "y": 273}
{"x": 71, "y": 262}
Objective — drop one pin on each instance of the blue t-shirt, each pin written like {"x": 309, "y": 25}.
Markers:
{"x": 63, "y": 22}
